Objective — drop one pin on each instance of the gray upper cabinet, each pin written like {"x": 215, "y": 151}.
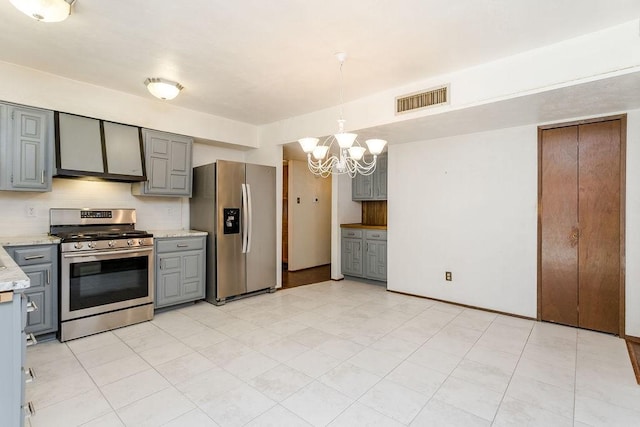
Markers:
{"x": 26, "y": 148}
{"x": 380, "y": 179}
{"x": 371, "y": 187}
{"x": 88, "y": 147}
{"x": 169, "y": 165}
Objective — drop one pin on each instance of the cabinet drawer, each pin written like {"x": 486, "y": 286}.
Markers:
{"x": 30, "y": 256}
{"x": 176, "y": 245}
{"x": 352, "y": 233}
{"x": 376, "y": 234}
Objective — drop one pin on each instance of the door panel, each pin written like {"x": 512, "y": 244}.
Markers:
{"x": 261, "y": 259}
{"x": 558, "y": 221}
{"x": 231, "y": 265}
{"x": 599, "y": 215}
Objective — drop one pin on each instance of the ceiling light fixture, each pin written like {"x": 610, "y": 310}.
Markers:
{"x": 351, "y": 157}
{"x": 45, "y": 10}
{"x": 162, "y": 88}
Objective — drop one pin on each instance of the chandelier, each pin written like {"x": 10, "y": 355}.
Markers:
{"x": 350, "y": 158}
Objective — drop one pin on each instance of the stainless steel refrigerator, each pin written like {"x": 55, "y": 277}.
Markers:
{"x": 236, "y": 203}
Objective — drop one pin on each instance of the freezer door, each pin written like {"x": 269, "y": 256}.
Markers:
{"x": 231, "y": 264}
{"x": 202, "y": 209}
{"x": 261, "y": 253}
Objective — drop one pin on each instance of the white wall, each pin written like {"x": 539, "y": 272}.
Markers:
{"x": 309, "y": 221}
{"x": 343, "y": 211}
{"x": 165, "y": 213}
{"x": 632, "y": 243}
{"x": 468, "y": 205}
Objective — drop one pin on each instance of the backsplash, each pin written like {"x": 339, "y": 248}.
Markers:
{"x": 156, "y": 213}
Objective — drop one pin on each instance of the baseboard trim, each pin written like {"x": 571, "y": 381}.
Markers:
{"x": 465, "y": 305}
{"x": 634, "y": 355}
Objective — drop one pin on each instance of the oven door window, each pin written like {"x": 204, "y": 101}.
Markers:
{"x": 97, "y": 283}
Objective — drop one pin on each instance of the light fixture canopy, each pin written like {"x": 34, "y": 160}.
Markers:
{"x": 351, "y": 155}
{"x": 163, "y": 88}
{"x": 45, "y": 10}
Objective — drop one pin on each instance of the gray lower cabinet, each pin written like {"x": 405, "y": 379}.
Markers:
{"x": 168, "y": 163}
{"x": 13, "y": 374}
{"x": 371, "y": 187}
{"x": 180, "y": 270}
{"x": 26, "y": 148}
{"x": 364, "y": 253}
{"x": 351, "y": 248}
{"x": 40, "y": 264}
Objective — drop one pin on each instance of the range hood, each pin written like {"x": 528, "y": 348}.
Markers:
{"x": 98, "y": 149}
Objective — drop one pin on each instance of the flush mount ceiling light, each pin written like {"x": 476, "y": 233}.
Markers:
{"x": 351, "y": 155}
{"x": 162, "y": 88}
{"x": 45, "y": 10}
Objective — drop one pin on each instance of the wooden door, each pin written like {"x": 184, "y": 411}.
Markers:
{"x": 581, "y": 231}
{"x": 559, "y": 220}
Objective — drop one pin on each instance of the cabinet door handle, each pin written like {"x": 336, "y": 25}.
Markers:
{"x": 375, "y": 235}
{"x": 182, "y": 245}
{"x": 30, "y": 257}
{"x": 48, "y": 277}
{"x": 42, "y": 177}
{"x": 31, "y": 340}
{"x": 31, "y": 375}
{"x": 29, "y": 409}
{"x": 32, "y": 306}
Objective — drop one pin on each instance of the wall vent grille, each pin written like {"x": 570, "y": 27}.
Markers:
{"x": 424, "y": 99}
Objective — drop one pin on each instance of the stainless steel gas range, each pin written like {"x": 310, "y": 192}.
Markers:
{"x": 106, "y": 270}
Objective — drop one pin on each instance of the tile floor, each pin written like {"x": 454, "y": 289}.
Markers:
{"x": 339, "y": 354}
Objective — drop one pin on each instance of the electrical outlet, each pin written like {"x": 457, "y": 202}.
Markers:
{"x": 170, "y": 211}
{"x": 447, "y": 276}
{"x": 31, "y": 212}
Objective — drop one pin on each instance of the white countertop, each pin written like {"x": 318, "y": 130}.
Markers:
{"x": 160, "y": 234}
{"x": 11, "y": 276}
{"x": 36, "y": 239}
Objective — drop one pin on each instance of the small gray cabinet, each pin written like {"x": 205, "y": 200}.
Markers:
{"x": 40, "y": 264}
{"x": 371, "y": 187}
{"x": 180, "y": 270}
{"x": 168, "y": 160}
{"x": 26, "y": 148}
{"x": 364, "y": 253}
{"x": 375, "y": 242}
{"x": 351, "y": 247}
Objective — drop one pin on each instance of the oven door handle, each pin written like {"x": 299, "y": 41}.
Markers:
{"x": 95, "y": 253}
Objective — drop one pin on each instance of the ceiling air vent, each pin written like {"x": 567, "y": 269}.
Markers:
{"x": 419, "y": 100}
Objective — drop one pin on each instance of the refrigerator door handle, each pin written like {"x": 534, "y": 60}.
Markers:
{"x": 245, "y": 218}
{"x": 250, "y": 219}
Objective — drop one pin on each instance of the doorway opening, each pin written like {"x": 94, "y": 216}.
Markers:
{"x": 306, "y": 221}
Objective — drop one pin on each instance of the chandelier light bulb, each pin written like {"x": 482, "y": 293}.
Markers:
{"x": 308, "y": 144}
{"x": 376, "y": 145}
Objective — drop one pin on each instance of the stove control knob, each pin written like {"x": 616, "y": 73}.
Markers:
{"x": 111, "y": 243}
{"x": 78, "y": 245}
{"x": 91, "y": 245}
{"x": 130, "y": 242}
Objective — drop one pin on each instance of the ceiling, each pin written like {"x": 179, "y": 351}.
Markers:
{"x": 259, "y": 61}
